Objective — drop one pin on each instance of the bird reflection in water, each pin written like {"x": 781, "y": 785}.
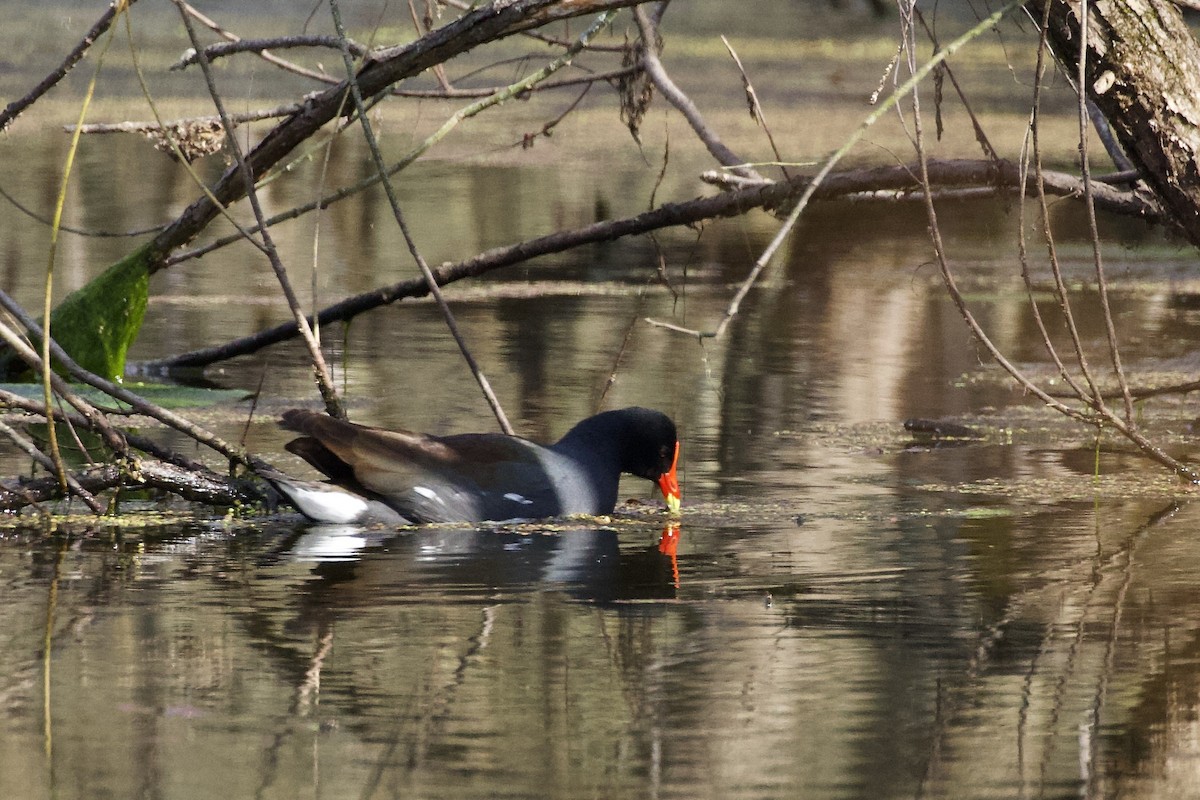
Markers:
{"x": 668, "y": 545}
{"x": 587, "y": 564}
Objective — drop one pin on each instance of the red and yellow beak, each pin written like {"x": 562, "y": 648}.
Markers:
{"x": 669, "y": 484}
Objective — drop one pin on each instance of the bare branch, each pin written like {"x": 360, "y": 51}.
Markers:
{"x": 14, "y": 109}
{"x": 426, "y": 273}
{"x": 198, "y": 487}
{"x": 765, "y": 195}
{"x": 648, "y": 58}
{"x": 222, "y": 49}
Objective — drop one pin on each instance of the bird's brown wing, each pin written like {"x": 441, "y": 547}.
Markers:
{"x": 434, "y": 478}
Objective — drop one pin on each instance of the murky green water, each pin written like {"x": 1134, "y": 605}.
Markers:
{"x": 843, "y": 612}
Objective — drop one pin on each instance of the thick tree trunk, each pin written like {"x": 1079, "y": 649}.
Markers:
{"x": 1143, "y": 73}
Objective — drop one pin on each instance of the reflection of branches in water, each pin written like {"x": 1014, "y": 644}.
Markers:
{"x": 437, "y": 708}
{"x": 1098, "y": 567}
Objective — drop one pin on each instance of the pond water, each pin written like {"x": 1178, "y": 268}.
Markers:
{"x": 841, "y": 612}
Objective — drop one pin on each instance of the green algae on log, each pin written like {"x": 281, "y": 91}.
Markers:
{"x": 97, "y": 323}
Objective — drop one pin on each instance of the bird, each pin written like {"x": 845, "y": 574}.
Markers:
{"x": 401, "y": 477}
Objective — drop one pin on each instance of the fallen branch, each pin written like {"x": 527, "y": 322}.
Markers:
{"x": 141, "y": 405}
{"x": 48, "y": 464}
{"x": 198, "y": 487}
{"x": 767, "y": 196}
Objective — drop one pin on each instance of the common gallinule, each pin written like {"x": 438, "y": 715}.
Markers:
{"x": 387, "y": 476}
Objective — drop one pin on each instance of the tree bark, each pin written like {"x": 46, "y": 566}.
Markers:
{"x": 196, "y": 485}
{"x": 1143, "y": 73}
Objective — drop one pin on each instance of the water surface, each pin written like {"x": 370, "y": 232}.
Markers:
{"x": 843, "y": 611}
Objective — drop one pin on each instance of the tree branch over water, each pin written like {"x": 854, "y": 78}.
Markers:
{"x": 380, "y": 72}
{"x": 14, "y": 109}
{"x": 381, "y": 69}
{"x": 878, "y": 184}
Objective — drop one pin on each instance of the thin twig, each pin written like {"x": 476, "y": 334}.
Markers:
{"x": 980, "y": 136}
{"x": 1114, "y": 350}
{"x": 1091, "y": 396}
{"x": 29, "y": 212}
{"x": 548, "y": 127}
{"x": 756, "y": 112}
{"x": 658, "y": 75}
{"x": 1022, "y": 251}
{"x": 439, "y": 70}
{"x": 223, "y": 49}
{"x": 13, "y": 109}
{"x": 325, "y": 385}
{"x": 430, "y": 281}
{"x": 608, "y": 76}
